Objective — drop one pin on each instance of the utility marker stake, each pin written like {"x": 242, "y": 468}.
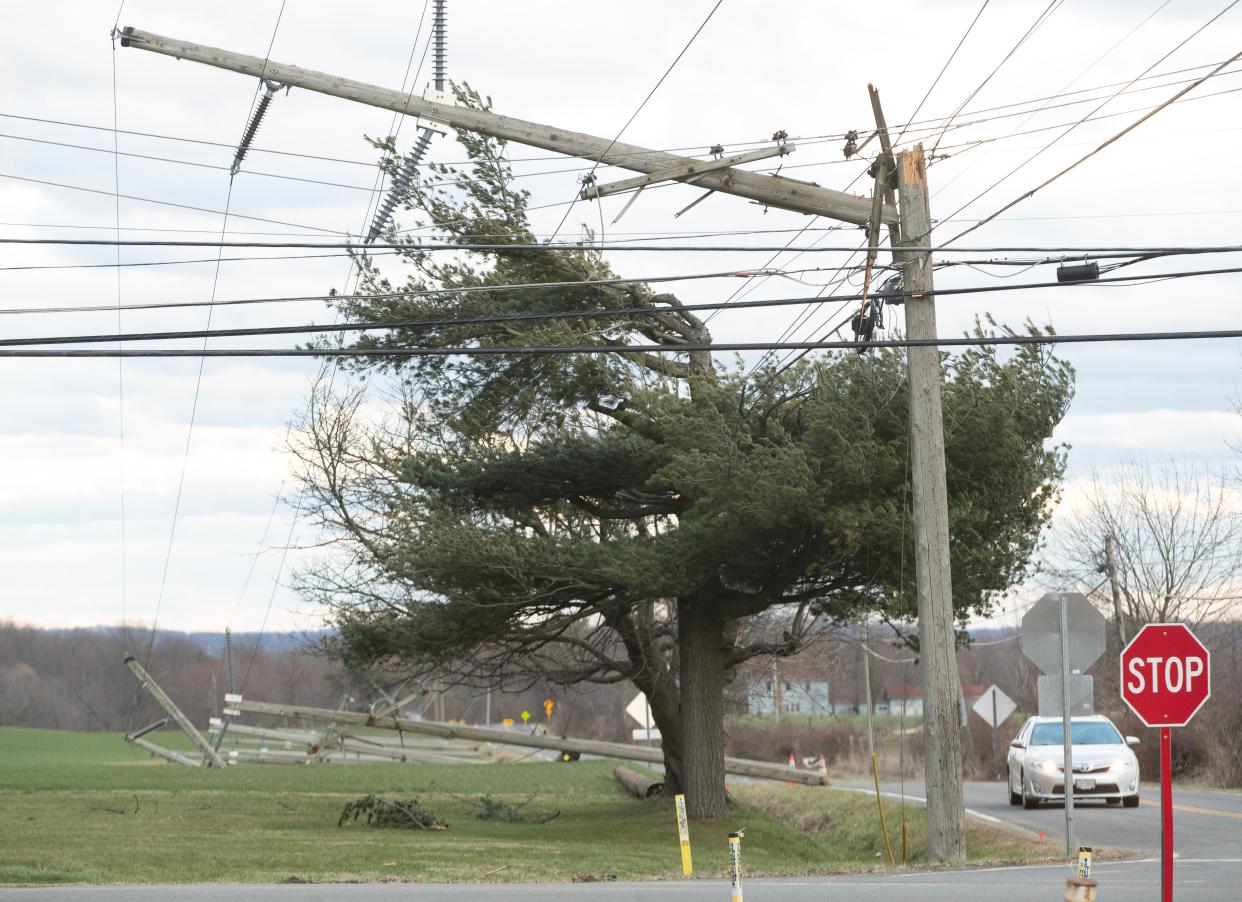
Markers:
{"x": 735, "y": 864}
{"x": 683, "y": 834}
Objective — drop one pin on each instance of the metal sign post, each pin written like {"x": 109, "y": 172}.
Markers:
{"x": 1166, "y": 677}
{"x": 1063, "y": 633}
{"x": 1068, "y": 737}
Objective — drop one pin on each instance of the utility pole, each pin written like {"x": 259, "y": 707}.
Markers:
{"x": 144, "y": 678}
{"x": 769, "y": 190}
{"x": 1110, "y": 564}
{"x": 942, "y": 742}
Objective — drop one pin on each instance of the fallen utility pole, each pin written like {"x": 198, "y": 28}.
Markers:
{"x": 159, "y": 750}
{"x": 738, "y": 766}
{"x": 769, "y": 190}
{"x": 174, "y": 712}
{"x": 942, "y": 741}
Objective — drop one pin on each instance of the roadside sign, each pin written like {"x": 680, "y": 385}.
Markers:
{"x": 1166, "y": 676}
{"x": 994, "y": 706}
{"x": 1050, "y": 695}
{"x": 640, "y": 711}
{"x": 525, "y": 716}
{"x": 1064, "y": 635}
{"x": 1041, "y": 632}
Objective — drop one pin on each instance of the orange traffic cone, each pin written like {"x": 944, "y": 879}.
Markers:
{"x": 823, "y": 768}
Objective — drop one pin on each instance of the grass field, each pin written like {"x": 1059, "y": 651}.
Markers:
{"x": 82, "y": 808}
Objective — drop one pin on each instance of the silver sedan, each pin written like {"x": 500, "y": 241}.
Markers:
{"x": 1104, "y": 765}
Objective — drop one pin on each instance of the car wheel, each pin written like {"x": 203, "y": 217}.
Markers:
{"x": 1028, "y": 802}
{"x": 1131, "y": 801}
{"x": 1015, "y": 798}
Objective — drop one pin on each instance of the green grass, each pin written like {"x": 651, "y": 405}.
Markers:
{"x": 81, "y": 808}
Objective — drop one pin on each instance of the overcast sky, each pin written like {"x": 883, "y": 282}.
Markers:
{"x": 758, "y": 66}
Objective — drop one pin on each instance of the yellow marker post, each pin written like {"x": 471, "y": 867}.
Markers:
{"x": 1085, "y": 855}
{"x": 683, "y": 832}
{"x": 525, "y": 716}
{"x": 735, "y": 865}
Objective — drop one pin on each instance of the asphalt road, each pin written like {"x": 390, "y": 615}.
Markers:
{"x": 1206, "y": 824}
{"x": 1208, "y": 833}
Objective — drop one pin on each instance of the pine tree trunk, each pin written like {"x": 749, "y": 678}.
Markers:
{"x": 664, "y": 711}
{"x": 701, "y": 644}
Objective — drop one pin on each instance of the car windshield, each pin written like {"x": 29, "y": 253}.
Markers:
{"x": 1090, "y": 733}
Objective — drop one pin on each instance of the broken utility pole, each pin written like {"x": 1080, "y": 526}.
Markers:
{"x": 174, "y": 712}
{"x": 769, "y": 190}
{"x": 942, "y": 741}
{"x": 1110, "y": 564}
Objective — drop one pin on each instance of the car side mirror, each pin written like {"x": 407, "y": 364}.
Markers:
{"x": 1132, "y": 740}
{"x": 1017, "y": 744}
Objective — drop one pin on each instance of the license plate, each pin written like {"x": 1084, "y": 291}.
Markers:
{"x": 1084, "y": 783}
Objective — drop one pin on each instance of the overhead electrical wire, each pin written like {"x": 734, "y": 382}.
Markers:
{"x": 251, "y": 127}
{"x": 943, "y": 69}
{"x": 546, "y": 350}
{"x": 1163, "y": 250}
{"x": 541, "y": 316}
{"x": 1072, "y": 166}
{"x": 924, "y": 124}
{"x": 639, "y": 109}
{"x": 120, "y": 363}
{"x": 1039, "y": 20}
{"x": 1185, "y": 90}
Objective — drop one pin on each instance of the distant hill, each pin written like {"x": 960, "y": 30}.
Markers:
{"x": 213, "y": 642}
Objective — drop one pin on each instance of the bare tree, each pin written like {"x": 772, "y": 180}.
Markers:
{"x": 1177, "y": 543}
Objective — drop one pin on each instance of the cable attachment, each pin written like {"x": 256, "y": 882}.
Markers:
{"x": 851, "y": 143}
{"x": 780, "y": 137}
{"x": 269, "y": 91}
{"x": 716, "y": 150}
{"x": 400, "y": 183}
{"x": 867, "y": 320}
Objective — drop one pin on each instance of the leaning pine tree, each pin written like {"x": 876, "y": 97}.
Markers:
{"x": 620, "y": 515}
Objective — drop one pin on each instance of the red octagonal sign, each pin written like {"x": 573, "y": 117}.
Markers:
{"x": 1165, "y": 675}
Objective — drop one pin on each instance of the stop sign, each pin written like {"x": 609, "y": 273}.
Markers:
{"x": 1165, "y": 675}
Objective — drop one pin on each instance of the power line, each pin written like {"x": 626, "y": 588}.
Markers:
{"x": 429, "y": 292}
{"x": 1040, "y": 19}
{"x": 1165, "y": 250}
{"x": 634, "y": 115}
{"x": 202, "y": 362}
{"x": 147, "y": 263}
{"x": 165, "y": 203}
{"x": 944, "y": 68}
{"x": 435, "y": 322}
{"x": 1116, "y": 137}
{"x": 1129, "y": 128}
{"x": 546, "y": 350}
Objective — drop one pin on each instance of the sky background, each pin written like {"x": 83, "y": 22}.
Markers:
{"x": 757, "y": 67}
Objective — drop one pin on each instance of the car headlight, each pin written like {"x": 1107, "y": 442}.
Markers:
{"x": 1047, "y": 766}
